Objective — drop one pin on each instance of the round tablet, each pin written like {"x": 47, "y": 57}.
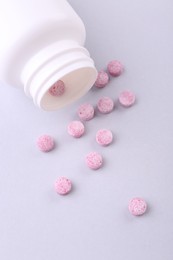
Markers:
{"x": 63, "y": 185}
{"x": 57, "y": 89}
{"x": 115, "y": 68}
{"x": 102, "y": 79}
{"x": 105, "y": 105}
{"x": 76, "y": 129}
{"x": 94, "y": 160}
{"x": 137, "y": 206}
{"x": 104, "y": 137}
{"x": 86, "y": 112}
{"x": 45, "y": 143}
{"x": 127, "y": 98}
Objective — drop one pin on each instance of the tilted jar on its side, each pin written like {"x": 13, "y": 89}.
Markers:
{"x": 41, "y": 43}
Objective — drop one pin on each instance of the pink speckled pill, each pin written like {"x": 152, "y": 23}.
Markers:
{"x": 104, "y": 137}
{"x": 76, "y": 129}
{"x": 102, "y": 79}
{"x": 86, "y": 112}
{"x": 137, "y": 206}
{"x": 105, "y": 105}
{"x": 45, "y": 143}
{"x": 57, "y": 89}
{"x": 94, "y": 160}
{"x": 63, "y": 185}
{"x": 115, "y": 68}
{"x": 127, "y": 98}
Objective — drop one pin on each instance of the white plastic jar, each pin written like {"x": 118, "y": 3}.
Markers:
{"x": 41, "y": 43}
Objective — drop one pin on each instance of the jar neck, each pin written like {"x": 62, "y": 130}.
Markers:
{"x": 66, "y": 61}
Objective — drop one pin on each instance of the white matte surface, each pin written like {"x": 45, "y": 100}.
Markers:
{"x": 93, "y": 222}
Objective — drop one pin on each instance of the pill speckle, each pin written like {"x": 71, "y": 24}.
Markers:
{"x": 76, "y": 129}
{"x": 45, "y": 143}
{"x": 115, "y": 68}
{"x": 57, "y": 89}
{"x": 137, "y": 206}
{"x": 105, "y": 105}
{"x": 127, "y": 98}
{"x": 86, "y": 112}
{"x": 102, "y": 79}
{"x": 94, "y": 160}
{"x": 104, "y": 137}
{"x": 63, "y": 186}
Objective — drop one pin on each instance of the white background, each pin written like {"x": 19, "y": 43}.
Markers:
{"x": 93, "y": 221}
